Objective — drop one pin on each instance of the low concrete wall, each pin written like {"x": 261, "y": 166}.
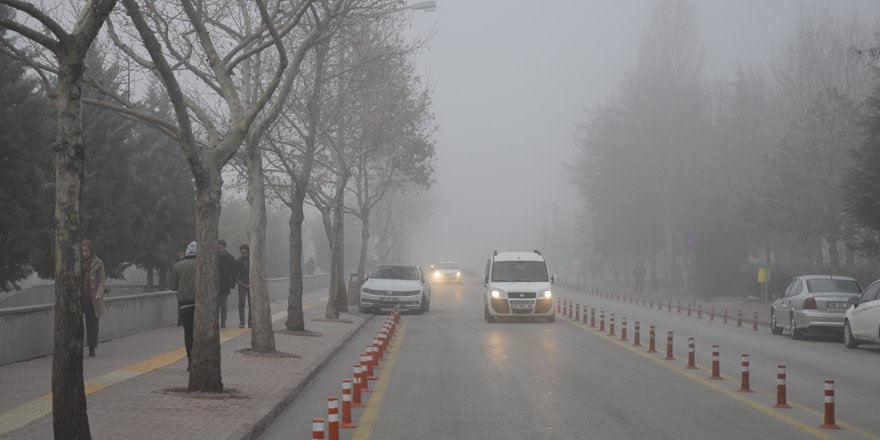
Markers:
{"x": 27, "y": 332}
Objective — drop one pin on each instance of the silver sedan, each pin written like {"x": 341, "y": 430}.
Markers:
{"x": 813, "y": 303}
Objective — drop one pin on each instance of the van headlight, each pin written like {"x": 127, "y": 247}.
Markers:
{"x": 436, "y": 274}
{"x": 458, "y": 274}
{"x": 498, "y": 293}
{"x": 546, "y": 294}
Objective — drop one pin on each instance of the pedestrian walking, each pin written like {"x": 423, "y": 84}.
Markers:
{"x": 225, "y": 279}
{"x": 92, "y": 298}
{"x": 639, "y": 273}
{"x": 183, "y": 280}
{"x": 242, "y": 278}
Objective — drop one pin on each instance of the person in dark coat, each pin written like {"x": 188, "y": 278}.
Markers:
{"x": 92, "y": 299}
{"x": 183, "y": 280}
{"x": 225, "y": 279}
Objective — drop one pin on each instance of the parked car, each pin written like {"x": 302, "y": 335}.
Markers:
{"x": 861, "y": 323}
{"x": 389, "y": 285}
{"x": 814, "y": 304}
{"x": 518, "y": 285}
{"x": 446, "y": 272}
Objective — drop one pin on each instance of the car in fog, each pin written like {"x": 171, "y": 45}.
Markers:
{"x": 813, "y": 304}
{"x": 389, "y": 285}
{"x": 517, "y": 284}
{"x": 861, "y": 323}
{"x": 445, "y": 272}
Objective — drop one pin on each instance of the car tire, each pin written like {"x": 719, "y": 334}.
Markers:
{"x": 775, "y": 329}
{"x": 486, "y": 315}
{"x": 848, "y": 340}
{"x": 428, "y": 306}
{"x": 362, "y": 310}
{"x": 423, "y": 306}
{"x": 552, "y": 318}
{"x": 794, "y": 331}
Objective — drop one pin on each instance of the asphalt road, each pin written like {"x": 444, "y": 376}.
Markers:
{"x": 451, "y": 375}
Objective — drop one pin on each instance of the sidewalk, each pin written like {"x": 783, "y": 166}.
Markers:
{"x": 127, "y": 383}
{"x": 748, "y": 306}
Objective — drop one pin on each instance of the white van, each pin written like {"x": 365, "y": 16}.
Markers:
{"x": 518, "y": 285}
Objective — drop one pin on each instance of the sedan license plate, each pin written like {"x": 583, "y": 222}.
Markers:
{"x": 390, "y": 299}
{"x": 521, "y": 306}
{"x": 837, "y": 305}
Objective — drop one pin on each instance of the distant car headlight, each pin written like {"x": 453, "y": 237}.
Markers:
{"x": 437, "y": 274}
{"x": 458, "y": 274}
{"x": 498, "y": 293}
{"x": 547, "y": 294}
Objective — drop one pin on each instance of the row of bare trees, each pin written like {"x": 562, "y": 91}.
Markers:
{"x": 317, "y": 101}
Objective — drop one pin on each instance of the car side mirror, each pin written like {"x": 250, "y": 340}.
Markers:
{"x": 777, "y": 295}
{"x": 854, "y": 301}
{"x": 553, "y": 279}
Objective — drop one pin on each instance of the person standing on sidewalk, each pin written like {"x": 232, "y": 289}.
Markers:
{"x": 93, "y": 278}
{"x": 225, "y": 279}
{"x": 183, "y": 280}
{"x": 639, "y": 272}
{"x": 242, "y": 277}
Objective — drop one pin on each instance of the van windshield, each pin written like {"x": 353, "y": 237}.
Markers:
{"x": 519, "y": 271}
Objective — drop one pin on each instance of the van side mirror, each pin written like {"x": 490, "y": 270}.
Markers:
{"x": 553, "y": 279}
{"x": 854, "y": 301}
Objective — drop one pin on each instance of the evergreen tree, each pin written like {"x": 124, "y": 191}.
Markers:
{"x": 861, "y": 187}
{"x": 26, "y": 173}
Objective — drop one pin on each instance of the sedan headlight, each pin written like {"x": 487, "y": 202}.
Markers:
{"x": 498, "y": 293}
{"x": 546, "y": 294}
{"x": 437, "y": 274}
{"x": 458, "y": 274}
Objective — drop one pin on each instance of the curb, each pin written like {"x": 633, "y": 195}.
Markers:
{"x": 252, "y": 430}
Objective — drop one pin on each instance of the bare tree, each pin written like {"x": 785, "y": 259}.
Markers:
{"x": 69, "y": 415}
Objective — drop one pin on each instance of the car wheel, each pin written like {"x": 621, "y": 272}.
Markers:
{"x": 775, "y": 329}
{"x": 362, "y": 309}
{"x": 428, "y": 306}
{"x": 552, "y": 318}
{"x": 848, "y": 340}
{"x": 794, "y": 331}
{"x": 486, "y": 315}
{"x": 423, "y": 305}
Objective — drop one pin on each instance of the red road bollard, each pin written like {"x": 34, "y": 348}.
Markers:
{"x": 744, "y": 383}
{"x": 755, "y": 322}
{"x": 357, "y": 387}
{"x": 558, "y": 306}
{"x": 669, "y": 356}
{"x": 564, "y": 307}
{"x": 602, "y": 321}
{"x": 699, "y": 311}
{"x": 585, "y": 314}
{"x": 725, "y": 316}
{"x": 739, "y": 318}
{"x": 332, "y": 418}
{"x": 611, "y": 328}
{"x": 669, "y": 305}
{"x": 678, "y": 307}
{"x": 623, "y": 329}
{"x": 318, "y": 429}
{"x": 829, "y": 406}
{"x": 712, "y": 313}
{"x": 689, "y": 310}
{"x": 365, "y": 373}
{"x": 577, "y": 312}
{"x": 651, "y": 341}
{"x": 716, "y": 363}
{"x": 346, "y": 405}
{"x": 780, "y": 388}
{"x": 593, "y": 317}
{"x": 692, "y": 363}
{"x": 636, "y": 335}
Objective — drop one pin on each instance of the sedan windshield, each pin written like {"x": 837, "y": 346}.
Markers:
{"x": 446, "y": 266}
{"x": 837, "y": 286}
{"x": 519, "y": 271}
{"x": 396, "y": 273}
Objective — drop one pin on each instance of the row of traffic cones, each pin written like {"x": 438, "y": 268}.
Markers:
{"x": 354, "y": 388}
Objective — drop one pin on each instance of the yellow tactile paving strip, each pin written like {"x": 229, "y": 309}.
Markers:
{"x": 34, "y": 410}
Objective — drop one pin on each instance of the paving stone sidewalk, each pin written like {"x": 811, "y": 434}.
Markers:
{"x": 141, "y": 408}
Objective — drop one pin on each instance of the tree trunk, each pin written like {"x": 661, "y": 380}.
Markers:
{"x": 332, "y": 312}
{"x": 295, "y": 319}
{"x": 205, "y": 373}
{"x": 339, "y": 232}
{"x": 833, "y": 256}
{"x": 365, "y": 239}
{"x": 70, "y": 418}
{"x": 150, "y": 274}
{"x": 263, "y": 335}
